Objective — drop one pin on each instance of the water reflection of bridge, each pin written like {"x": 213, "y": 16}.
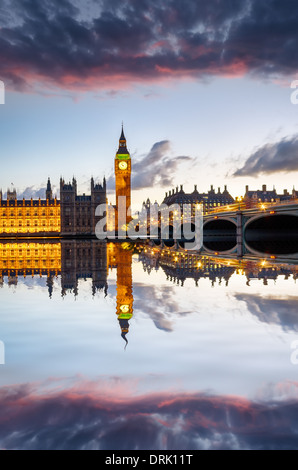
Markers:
{"x": 180, "y": 265}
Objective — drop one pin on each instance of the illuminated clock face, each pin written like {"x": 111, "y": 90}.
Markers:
{"x": 124, "y": 308}
{"x": 122, "y": 165}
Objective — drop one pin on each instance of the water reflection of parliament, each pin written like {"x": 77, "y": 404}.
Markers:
{"x": 72, "y": 260}
{"x": 93, "y": 259}
{"x": 75, "y": 260}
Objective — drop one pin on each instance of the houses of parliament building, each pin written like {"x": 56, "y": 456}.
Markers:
{"x": 74, "y": 215}
{"x": 71, "y": 216}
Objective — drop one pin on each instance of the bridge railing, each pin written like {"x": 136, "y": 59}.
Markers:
{"x": 245, "y": 205}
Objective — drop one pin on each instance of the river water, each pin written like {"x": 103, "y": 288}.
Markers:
{"x": 130, "y": 346}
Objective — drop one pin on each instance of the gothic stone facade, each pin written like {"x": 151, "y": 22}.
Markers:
{"x": 78, "y": 212}
{"x": 29, "y": 218}
{"x": 72, "y": 216}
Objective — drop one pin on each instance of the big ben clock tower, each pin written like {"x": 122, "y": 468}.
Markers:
{"x": 123, "y": 185}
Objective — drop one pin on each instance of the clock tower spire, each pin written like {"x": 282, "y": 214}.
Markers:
{"x": 123, "y": 185}
{"x": 122, "y": 143}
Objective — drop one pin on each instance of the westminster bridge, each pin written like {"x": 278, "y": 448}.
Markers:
{"x": 252, "y": 229}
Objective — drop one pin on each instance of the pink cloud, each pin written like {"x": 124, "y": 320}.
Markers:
{"x": 132, "y": 44}
{"x": 90, "y": 414}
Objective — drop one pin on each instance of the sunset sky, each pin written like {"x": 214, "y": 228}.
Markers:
{"x": 203, "y": 89}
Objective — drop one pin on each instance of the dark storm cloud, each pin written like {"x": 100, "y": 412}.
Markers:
{"x": 274, "y": 311}
{"x": 112, "y": 44}
{"x": 83, "y": 418}
{"x": 157, "y": 167}
{"x": 272, "y": 158}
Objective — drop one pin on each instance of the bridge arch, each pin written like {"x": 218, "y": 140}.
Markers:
{"x": 220, "y": 235}
{"x": 271, "y": 215}
{"x": 275, "y": 233}
{"x": 220, "y": 222}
